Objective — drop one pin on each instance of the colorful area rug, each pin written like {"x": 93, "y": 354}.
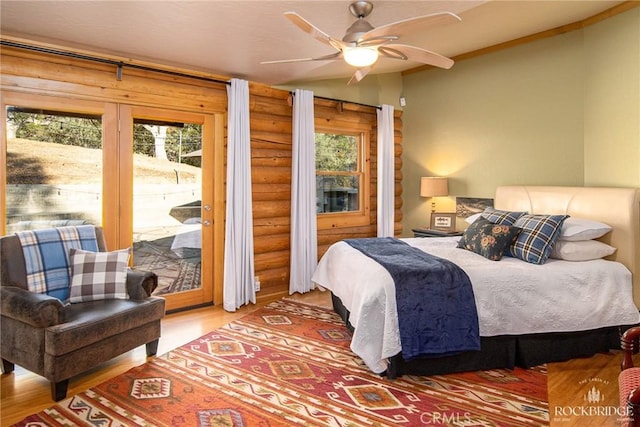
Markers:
{"x": 290, "y": 364}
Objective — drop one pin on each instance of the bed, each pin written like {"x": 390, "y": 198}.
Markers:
{"x": 522, "y": 322}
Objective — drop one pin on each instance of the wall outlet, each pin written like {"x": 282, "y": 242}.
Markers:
{"x": 256, "y": 283}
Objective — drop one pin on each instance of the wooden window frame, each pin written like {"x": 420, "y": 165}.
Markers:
{"x": 360, "y": 217}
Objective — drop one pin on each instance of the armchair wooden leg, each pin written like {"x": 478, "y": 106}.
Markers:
{"x": 59, "y": 390}
{"x": 7, "y": 367}
{"x": 152, "y": 348}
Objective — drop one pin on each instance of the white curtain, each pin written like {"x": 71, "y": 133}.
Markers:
{"x": 304, "y": 238}
{"x": 386, "y": 168}
{"x": 238, "y": 246}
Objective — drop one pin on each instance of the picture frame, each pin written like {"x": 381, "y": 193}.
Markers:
{"x": 467, "y": 206}
{"x": 443, "y": 221}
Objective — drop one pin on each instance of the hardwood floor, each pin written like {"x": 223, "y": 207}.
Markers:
{"x": 569, "y": 384}
{"x": 23, "y": 393}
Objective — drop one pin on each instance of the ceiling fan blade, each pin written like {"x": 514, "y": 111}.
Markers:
{"x": 311, "y": 29}
{"x": 408, "y": 26}
{"x": 336, "y": 55}
{"x": 412, "y": 53}
{"x": 360, "y": 74}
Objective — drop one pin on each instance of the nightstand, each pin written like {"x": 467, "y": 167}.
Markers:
{"x": 425, "y": 232}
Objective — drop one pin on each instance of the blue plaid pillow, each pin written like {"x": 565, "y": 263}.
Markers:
{"x": 497, "y": 216}
{"x": 535, "y": 241}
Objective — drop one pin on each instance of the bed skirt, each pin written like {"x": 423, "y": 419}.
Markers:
{"x": 506, "y": 351}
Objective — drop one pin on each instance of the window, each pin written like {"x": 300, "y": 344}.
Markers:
{"x": 342, "y": 178}
{"x": 54, "y": 168}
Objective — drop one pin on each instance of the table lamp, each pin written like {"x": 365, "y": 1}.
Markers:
{"x": 433, "y": 186}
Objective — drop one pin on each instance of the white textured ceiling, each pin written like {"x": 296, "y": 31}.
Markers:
{"x": 231, "y": 38}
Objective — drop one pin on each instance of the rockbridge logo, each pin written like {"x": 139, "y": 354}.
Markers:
{"x": 593, "y": 397}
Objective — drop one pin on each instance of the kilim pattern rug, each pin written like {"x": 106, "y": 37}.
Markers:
{"x": 289, "y": 364}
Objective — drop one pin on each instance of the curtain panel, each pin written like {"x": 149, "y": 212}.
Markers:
{"x": 386, "y": 169}
{"x": 304, "y": 236}
{"x": 238, "y": 248}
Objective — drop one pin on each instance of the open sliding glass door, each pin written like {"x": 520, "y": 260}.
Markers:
{"x": 167, "y": 198}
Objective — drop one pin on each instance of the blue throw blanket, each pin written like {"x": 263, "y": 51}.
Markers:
{"x": 436, "y": 307}
{"x": 46, "y": 255}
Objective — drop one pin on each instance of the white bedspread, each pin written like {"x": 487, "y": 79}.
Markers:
{"x": 512, "y": 297}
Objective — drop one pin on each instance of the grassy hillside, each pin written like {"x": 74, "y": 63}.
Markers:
{"x": 35, "y": 162}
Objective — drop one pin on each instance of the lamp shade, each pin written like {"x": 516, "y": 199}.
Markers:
{"x": 434, "y": 186}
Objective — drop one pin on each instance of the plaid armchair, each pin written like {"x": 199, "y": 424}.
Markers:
{"x": 83, "y": 324}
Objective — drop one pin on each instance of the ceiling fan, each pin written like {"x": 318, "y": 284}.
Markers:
{"x": 363, "y": 44}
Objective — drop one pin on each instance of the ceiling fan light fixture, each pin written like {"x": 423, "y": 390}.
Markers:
{"x": 363, "y": 44}
{"x": 360, "y": 56}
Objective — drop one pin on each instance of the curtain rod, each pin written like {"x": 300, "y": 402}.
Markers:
{"x": 119, "y": 64}
{"x": 377, "y": 107}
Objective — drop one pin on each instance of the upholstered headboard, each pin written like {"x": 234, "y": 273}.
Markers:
{"x": 618, "y": 207}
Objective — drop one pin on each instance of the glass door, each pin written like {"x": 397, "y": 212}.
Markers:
{"x": 168, "y": 208}
{"x": 52, "y": 161}
{"x": 145, "y": 175}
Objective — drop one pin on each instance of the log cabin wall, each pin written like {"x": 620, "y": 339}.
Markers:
{"x": 271, "y": 136}
{"x": 31, "y": 72}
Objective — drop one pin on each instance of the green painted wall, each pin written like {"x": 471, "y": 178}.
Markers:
{"x": 559, "y": 111}
{"x": 612, "y": 101}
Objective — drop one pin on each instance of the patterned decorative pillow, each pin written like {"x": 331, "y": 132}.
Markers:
{"x": 98, "y": 275}
{"x": 488, "y": 239}
{"x": 497, "y": 216}
{"x": 535, "y": 241}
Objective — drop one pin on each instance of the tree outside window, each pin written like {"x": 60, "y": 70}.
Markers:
{"x": 341, "y": 177}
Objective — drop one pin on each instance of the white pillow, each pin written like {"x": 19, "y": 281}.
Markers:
{"x": 581, "y": 251}
{"x": 578, "y": 229}
{"x": 472, "y": 218}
